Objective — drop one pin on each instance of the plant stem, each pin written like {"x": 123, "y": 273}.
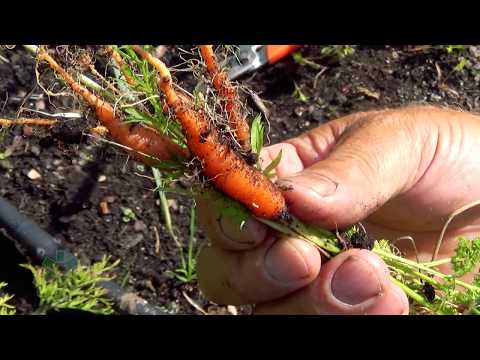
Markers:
{"x": 191, "y": 239}
{"x": 164, "y": 203}
{"x": 394, "y": 258}
{"x": 412, "y": 294}
{"x": 437, "y": 262}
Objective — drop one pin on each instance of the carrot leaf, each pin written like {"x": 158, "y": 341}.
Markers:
{"x": 256, "y": 134}
{"x": 467, "y": 256}
{"x": 268, "y": 172}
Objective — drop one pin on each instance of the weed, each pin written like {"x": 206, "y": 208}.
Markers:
{"x": 5, "y": 307}
{"x": 337, "y": 51}
{"x": 299, "y": 95}
{"x": 128, "y": 215}
{"x": 187, "y": 273}
{"x": 75, "y": 289}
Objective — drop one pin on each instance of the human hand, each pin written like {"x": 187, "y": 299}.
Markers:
{"x": 400, "y": 171}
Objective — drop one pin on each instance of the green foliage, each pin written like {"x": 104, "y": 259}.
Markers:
{"x": 462, "y": 64}
{"x": 76, "y": 289}
{"x": 5, "y": 154}
{"x": 301, "y": 60}
{"x": 467, "y": 256}
{"x": 451, "y": 48}
{"x": 257, "y": 133}
{"x": 5, "y": 307}
{"x": 337, "y": 51}
{"x": 299, "y": 95}
{"x": 432, "y": 291}
{"x": 148, "y": 109}
{"x": 187, "y": 273}
{"x": 128, "y": 215}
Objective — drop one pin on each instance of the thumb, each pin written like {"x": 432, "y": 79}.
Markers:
{"x": 374, "y": 159}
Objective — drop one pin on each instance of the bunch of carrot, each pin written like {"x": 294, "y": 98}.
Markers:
{"x": 221, "y": 164}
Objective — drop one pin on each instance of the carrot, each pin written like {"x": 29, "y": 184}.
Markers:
{"x": 228, "y": 92}
{"x": 227, "y": 170}
{"x": 25, "y": 121}
{"x": 120, "y": 64}
{"x": 144, "y": 140}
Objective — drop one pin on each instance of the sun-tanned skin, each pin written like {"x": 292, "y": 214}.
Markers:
{"x": 401, "y": 172}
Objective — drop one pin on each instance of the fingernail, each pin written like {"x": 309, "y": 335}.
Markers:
{"x": 286, "y": 261}
{"x": 355, "y": 281}
{"x": 320, "y": 184}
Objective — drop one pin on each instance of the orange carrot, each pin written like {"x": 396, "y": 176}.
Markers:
{"x": 227, "y": 170}
{"x": 25, "y": 121}
{"x": 228, "y": 92}
{"x": 144, "y": 140}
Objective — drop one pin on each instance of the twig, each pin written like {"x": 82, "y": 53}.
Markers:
{"x": 157, "y": 242}
{"x": 320, "y": 73}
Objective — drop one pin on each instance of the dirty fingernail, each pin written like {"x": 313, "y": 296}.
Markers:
{"x": 287, "y": 260}
{"x": 355, "y": 281}
{"x": 320, "y": 184}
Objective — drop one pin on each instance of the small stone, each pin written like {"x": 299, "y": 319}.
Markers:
{"x": 160, "y": 51}
{"x": 102, "y": 178}
{"x": 35, "y": 150}
{"x": 56, "y": 162}
{"x": 299, "y": 111}
{"x": 475, "y": 51}
{"x": 104, "y": 209}
{"x": 139, "y": 226}
{"x": 133, "y": 240}
{"x": 34, "y": 174}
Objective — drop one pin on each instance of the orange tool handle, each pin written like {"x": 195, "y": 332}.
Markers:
{"x": 278, "y": 52}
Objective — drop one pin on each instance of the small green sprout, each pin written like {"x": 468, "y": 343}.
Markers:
{"x": 128, "y": 215}
{"x": 299, "y": 95}
{"x": 187, "y": 273}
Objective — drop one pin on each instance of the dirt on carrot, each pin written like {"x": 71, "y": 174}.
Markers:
{"x": 227, "y": 170}
{"x": 229, "y": 95}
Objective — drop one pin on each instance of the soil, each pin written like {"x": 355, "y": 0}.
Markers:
{"x": 77, "y": 174}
